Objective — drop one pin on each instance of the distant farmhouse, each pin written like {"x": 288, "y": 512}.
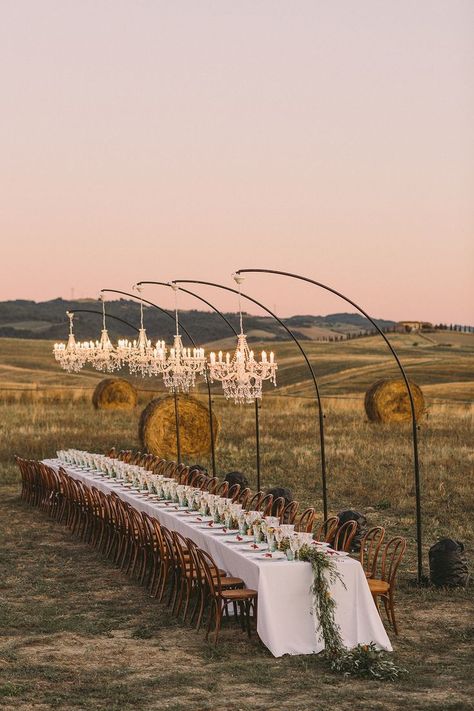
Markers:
{"x": 412, "y": 326}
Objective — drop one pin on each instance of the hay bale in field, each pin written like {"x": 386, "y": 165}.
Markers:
{"x": 157, "y": 427}
{"x": 387, "y": 401}
{"x": 114, "y": 394}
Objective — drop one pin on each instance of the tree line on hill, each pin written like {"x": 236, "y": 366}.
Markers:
{"x": 48, "y": 320}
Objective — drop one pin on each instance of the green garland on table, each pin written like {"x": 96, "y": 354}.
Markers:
{"x": 364, "y": 659}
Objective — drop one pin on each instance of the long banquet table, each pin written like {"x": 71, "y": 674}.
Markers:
{"x": 285, "y": 620}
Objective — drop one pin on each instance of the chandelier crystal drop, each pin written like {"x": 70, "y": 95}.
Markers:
{"x": 102, "y": 354}
{"x": 241, "y": 374}
{"x": 142, "y": 357}
{"x": 182, "y": 364}
{"x": 72, "y": 355}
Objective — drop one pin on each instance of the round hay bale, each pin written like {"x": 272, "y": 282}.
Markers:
{"x": 114, "y": 394}
{"x": 387, "y": 401}
{"x": 157, "y": 427}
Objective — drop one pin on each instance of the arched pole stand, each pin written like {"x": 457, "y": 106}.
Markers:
{"x": 414, "y": 428}
{"x": 176, "y": 399}
{"x": 303, "y": 353}
{"x": 214, "y": 308}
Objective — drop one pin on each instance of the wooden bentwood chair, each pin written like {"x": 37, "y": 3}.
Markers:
{"x": 345, "y": 536}
{"x": 369, "y": 550}
{"x": 384, "y": 587}
{"x": 220, "y": 597}
{"x": 327, "y": 530}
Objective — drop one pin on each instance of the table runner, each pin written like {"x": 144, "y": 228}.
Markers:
{"x": 285, "y": 620}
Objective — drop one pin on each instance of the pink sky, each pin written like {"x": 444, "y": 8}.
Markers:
{"x": 145, "y": 139}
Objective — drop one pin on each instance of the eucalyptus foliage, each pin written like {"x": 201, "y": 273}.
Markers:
{"x": 364, "y": 660}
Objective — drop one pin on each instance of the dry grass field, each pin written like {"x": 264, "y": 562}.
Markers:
{"x": 76, "y": 634}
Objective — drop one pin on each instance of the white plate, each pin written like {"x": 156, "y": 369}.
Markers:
{"x": 277, "y": 555}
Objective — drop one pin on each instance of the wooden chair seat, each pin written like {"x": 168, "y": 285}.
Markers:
{"x": 239, "y": 594}
{"x": 379, "y": 587}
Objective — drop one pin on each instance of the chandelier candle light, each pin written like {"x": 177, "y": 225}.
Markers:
{"x": 183, "y": 364}
{"x": 242, "y": 375}
{"x": 140, "y": 355}
{"x": 72, "y": 355}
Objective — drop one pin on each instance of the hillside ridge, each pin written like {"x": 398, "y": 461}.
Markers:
{"x": 22, "y": 318}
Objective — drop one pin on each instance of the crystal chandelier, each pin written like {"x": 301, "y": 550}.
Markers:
{"x": 140, "y": 355}
{"x": 182, "y": 364}
{"x": 102, "y": 354}
{"x": 241, "y": 375}
{"x": 72, "y": 355}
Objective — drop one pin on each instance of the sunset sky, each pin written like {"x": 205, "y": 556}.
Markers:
{"x": 143, "y": 139}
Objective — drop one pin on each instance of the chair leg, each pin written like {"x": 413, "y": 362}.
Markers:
{"x": 391, "y": 607}
{"x": 218, "y": 621}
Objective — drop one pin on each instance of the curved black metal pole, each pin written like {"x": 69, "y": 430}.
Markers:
{"x": 407, "y": 384}
{"x": 116, "y": 318}
{"x": 166, "y": 313}
{"x": 303, "y": 353}
{"x": 214, "y": 308}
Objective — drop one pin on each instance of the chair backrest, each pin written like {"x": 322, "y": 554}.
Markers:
{"x": 254, "y": 502}
{"x": 211, "y": 571}
{"x": 170, "y": 545}
{"x": 391, "y": 558}
{"x": 160, "y": 541}
{"x": 210, "y": 484}
{"x": 169, "y": 469}
{"x": 244, "y": 497}
{"x": 136, "y": 458}
{"x": 233, "y": 492}
{"x": 149, "y": 529}
{"x": 370, "y": 547}
{"x": 306, "y": 521}
{"x": 327, "y": 530}
{"x": 197, "y": 566}
{"x": 278, "y": 506}
{"x": 288, "y": 514}
{"x": 182, "y": 553}
{"x": 266, "y": 504}
{"x": 184, "y": 475}
{"x": 222, "y": 489}
{"x": 158, "y": 466}
{"x": 199, "y": 481}
{"x": 344, "y": 536}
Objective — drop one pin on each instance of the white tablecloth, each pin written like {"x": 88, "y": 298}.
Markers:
{"x": 285, "y": 622}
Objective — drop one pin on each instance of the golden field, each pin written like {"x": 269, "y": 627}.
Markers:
{"x": 78, "y": 635}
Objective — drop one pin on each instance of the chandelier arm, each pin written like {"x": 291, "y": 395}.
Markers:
{"x": 416, "y": 464}
{"x": 310, "y": 368}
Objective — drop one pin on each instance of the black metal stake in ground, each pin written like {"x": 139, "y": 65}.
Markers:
{"x": 303, "y": 353}
{"x": 163, "y": 311}
{"x": 407, "y": 384}
{"x": 214, "y": 308}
